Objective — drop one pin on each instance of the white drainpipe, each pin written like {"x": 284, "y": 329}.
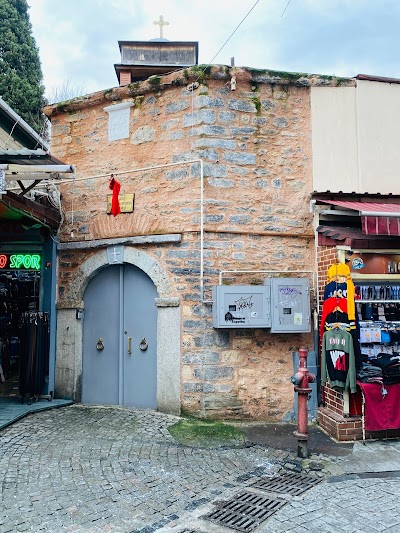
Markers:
{"x": 155, "y": 167}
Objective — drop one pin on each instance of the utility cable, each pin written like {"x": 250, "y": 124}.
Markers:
{"x": 284, "y": 11}
{"x": 228, "y": 39}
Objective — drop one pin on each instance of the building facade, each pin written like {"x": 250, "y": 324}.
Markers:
{"x": 220, "y": 165}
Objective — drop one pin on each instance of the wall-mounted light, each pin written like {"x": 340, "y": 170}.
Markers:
{"x": 192, "y": 86}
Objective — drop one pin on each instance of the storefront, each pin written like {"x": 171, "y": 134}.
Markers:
{"x": 27, "y": 285}
{"x": 30, "y": 216}
{"x": 359, "y": 300}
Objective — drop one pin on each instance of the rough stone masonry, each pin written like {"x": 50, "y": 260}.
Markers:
{"x": 255, "y": 143}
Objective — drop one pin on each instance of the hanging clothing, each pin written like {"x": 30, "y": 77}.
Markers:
{"x": 340, "y": 273}
{"x": 34, "y": 353}
{"x": 115, "y": 186}
{"x": 337, "y": 360}
{"x": 335, "y": 290}
{"x": 331, "y": 305}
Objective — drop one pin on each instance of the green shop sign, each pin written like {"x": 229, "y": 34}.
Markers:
{"x": 20, "y": 261}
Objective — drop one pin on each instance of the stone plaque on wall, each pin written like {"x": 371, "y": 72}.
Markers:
{"x": 118, "y": 121}
{"x": 126, "y": 202}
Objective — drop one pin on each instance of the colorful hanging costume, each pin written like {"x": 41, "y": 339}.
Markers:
{"x": 337, "y": 360}
{"x": 115, "y": 186}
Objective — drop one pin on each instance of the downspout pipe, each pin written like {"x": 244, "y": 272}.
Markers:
{"x": 156, "y": 167}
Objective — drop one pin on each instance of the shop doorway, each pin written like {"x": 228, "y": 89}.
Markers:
{"x": 24, "y": 331}
{"x": 119, "y": 362}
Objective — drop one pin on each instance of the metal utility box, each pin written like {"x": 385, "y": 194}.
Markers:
{"x": 290, "y": 304}
{"x": 241, "y": 306}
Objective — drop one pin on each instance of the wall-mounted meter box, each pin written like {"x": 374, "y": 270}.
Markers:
{"x": 241, "y": 306}
{"x": 290, "y": 304}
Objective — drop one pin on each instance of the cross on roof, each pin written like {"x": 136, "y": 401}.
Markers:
{"x": 161, "y": 22}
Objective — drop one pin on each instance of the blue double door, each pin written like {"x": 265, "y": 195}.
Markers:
{"x": 120, "y": 339}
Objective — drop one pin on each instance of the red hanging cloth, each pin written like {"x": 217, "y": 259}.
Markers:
{"x": 115, "y": 186}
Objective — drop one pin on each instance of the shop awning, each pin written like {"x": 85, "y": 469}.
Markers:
{"x": 353, "y": 237}
{"x": 376, "y": 218}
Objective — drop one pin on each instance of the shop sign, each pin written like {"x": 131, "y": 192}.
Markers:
{"x": 20, "y": 261}
{"x": 358, "y": 263}
{"x": 126, "y": 202}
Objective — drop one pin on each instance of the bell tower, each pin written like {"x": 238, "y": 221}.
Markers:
{"x": 142, "y": 59}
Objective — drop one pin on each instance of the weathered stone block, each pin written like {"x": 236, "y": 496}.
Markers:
{"x": 242, "y": 105}
{"x": 144, "y": 134}
{"x": 178, "y": 174}
{"x": 206, "y": 116}
{"x": 214, "y": 372}
{"x": 227, "y": 116}
{"x": 217, "y": 143}
{"x": 214, "y": 218}
{"x": 208, "y": 130}
{"x": 176, "y": 107}
{"x": 245, "y": 130}
{"x": 169, "y": 124}
{"x": 240, "y": 158}
{"x": 239, "y": 219}
{"x": 175, "y": 135}
{"x": 207, "y": 101}
{"x": 214, "y": 338}
{"x": 280, "y": 122}
{"x": 201, "y": 358}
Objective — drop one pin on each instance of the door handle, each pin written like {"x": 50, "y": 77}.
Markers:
{"x": 143, "y": 345}
{"x": 129, "y": 345}
{"x": 100, "y": 345}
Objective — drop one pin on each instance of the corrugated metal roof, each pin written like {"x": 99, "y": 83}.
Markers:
{"x": 349, "y": 236}
{"x": 368, "y": 208}
{"x": 341, "y": 233}
{"x": 25, "y": 156}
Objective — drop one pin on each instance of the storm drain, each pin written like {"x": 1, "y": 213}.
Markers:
{"x": 286, "y": 483}
{"x": 244, "y": 512}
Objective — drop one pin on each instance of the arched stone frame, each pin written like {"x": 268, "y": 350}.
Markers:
{"x": 69, "y": 355}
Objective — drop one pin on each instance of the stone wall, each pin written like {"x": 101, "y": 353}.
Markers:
{"x": 255, "y": 143}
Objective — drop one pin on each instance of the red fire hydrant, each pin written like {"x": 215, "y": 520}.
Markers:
{"x": 300, "y": 381}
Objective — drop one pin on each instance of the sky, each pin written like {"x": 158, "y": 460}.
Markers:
{"x": 78, "y": 39}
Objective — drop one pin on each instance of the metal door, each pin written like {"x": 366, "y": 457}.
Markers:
{"x": 119, "y": 339}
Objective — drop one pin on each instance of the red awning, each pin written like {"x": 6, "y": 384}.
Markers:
{"x": 368, "y": 208}
{"x": 377, "y": 218}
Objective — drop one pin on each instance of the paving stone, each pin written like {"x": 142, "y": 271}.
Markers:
{"x": 107, "y": 469}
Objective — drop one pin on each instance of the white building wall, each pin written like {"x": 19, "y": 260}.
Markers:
{"x": 354, "y": 138}
{"x": 378, "y": 117}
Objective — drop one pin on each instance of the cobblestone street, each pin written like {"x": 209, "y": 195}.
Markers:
{"x": 93, "y": 469}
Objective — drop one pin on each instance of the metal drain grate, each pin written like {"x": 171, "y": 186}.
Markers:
{"x": 244, "y": 512}
{"x": 286, "y": 483}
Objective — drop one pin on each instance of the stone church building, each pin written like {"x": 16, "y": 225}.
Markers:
{"x": 214, "y": 165}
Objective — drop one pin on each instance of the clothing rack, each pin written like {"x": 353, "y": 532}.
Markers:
{"x": 34, "y": 355}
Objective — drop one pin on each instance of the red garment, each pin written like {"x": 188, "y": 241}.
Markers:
{"x": 381, "y": 411}
{"x": 328, "y": 307}
{"x": 115, "y": 186}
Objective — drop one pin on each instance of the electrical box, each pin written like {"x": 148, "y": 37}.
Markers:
{"x": 241, "y": 306}
{"x": 290, "y": 304}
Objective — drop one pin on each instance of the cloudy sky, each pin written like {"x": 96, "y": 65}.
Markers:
{"x": 78, "y": 39}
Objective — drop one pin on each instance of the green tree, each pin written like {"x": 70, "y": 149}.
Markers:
{"x": 21, "y": 78}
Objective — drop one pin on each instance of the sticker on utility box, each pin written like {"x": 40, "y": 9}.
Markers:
{"x": 298, "y": 319}
{"x": 234, "y": 319}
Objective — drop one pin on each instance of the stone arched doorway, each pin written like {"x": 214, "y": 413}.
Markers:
{"x": 68, "y": 377}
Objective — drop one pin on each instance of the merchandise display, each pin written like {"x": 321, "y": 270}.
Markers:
{"x": 362, "y": 351}
{"x": 24, "y": 336}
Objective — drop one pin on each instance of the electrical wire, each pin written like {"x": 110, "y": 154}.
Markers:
{"x": 228, "y": 39}
{"x": 284, "y": 11}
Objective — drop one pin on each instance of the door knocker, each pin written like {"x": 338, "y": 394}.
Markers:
{"x": 143, "y": 345}
{"x": 100, "y": 344}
